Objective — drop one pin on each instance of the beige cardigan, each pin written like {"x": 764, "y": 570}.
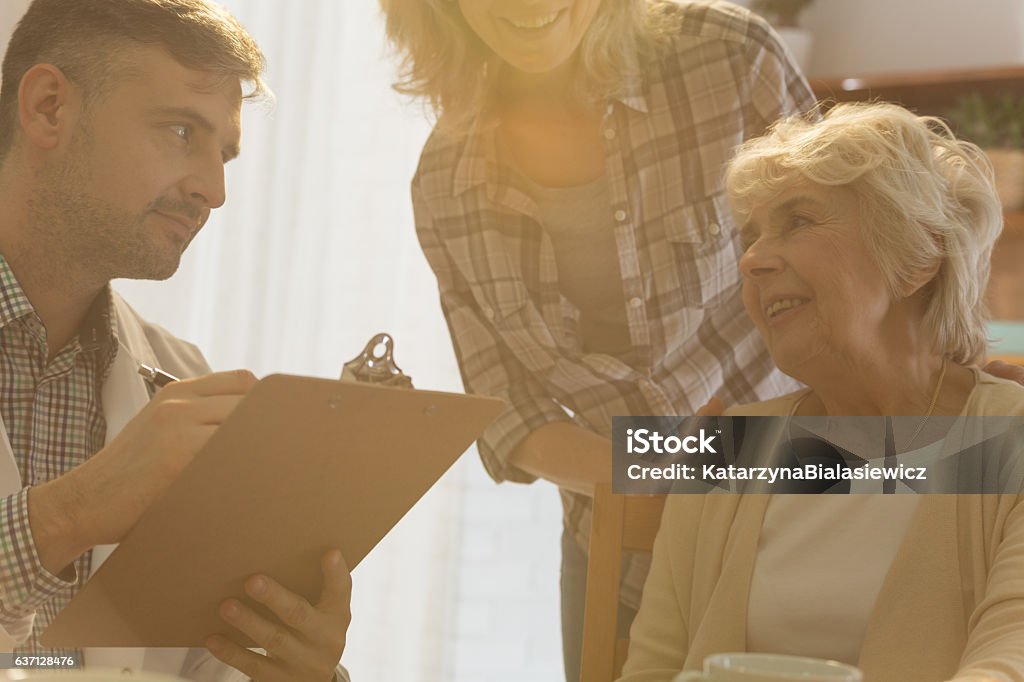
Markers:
{"x": 951, "y": 605}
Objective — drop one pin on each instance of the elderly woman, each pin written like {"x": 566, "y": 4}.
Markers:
{"x": 867, "y": 238}
{"x": 570, "y": 202}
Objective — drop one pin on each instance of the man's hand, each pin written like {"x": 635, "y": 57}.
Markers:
{"x": 99, "y": 501}
{"x": 1005, "y": 370}
{"x": 304, "y": 642}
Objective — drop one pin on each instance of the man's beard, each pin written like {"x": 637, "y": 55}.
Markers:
{"x": 92, "y": 239}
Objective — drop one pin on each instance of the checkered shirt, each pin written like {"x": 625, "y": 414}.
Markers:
{"x": 54, "y": 421}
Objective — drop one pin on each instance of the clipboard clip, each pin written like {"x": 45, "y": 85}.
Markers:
{"x": 371, "y": 367}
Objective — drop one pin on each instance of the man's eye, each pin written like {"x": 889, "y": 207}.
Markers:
{"x": 182, "y": 131}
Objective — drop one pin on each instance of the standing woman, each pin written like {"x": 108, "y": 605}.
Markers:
{"x": 570, "y": 202}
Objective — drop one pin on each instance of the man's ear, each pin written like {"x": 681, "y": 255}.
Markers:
{"x": 47, "y": 106}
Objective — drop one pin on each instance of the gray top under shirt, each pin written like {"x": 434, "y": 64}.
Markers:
{"x": 579, "y": 222}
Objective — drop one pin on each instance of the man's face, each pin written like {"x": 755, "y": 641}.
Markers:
{"x": 145, "y": 167}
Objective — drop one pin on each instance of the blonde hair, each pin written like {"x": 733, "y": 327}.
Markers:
{"x": 927, "y": 200}
{"x": 444, "y": 62}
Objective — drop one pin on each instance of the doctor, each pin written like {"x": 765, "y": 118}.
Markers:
{"x": 116, "y": 120}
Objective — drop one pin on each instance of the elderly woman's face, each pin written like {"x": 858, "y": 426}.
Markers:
{"x": 533, "y": 36}
{"x": 810, "y": 283}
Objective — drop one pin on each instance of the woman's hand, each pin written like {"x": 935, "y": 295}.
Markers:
{"x": 568, "y": 455}
{"x": 714, "y": 407}
{"x": 1005, "y": 370}
{"x": 304, "y": 642}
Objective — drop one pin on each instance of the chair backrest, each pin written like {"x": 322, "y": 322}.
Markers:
{"x": 1012, "y": 359}
{"x": 620, "y": 523}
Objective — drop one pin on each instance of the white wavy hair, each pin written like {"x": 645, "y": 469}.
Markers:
{"x": 927, "y": 199}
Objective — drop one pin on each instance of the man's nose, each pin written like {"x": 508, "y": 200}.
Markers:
{"x": 204, "y": 184}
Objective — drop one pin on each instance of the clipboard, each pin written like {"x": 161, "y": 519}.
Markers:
{"x": 300, "y": 466}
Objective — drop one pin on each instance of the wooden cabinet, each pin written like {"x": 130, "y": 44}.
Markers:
{"x": 927, "y": 93}
{"x": 1006, "y": 285}
{"x": 933, "y": 94}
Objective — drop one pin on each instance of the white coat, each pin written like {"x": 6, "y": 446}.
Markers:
{"x": 123, "y": 395}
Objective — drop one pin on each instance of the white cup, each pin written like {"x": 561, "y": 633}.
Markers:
{"x": 770, "y": 668}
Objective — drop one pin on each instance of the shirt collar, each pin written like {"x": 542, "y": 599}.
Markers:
{"x": 98, "y": 331}
{"x": 633, "y": 91}
{"x": 99, "y": 328}
{"x": 478, "y": 158}
{"x": 14, "y": 304}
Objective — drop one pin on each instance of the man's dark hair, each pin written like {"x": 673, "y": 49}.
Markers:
{"x": 85, "y": 39}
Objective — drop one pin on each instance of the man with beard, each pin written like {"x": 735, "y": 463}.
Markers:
{"x": 116, "y": 120}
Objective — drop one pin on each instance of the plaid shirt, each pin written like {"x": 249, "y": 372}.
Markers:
{"x": 54, "y": 421}
{"x": 724, "y": 78}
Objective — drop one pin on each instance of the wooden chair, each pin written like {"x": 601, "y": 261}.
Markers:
{"x": 620, "y": 523}
{"x": 1012, "y": 359}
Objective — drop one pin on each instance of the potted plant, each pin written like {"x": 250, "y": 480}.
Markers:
{"x": 784, "y": 15}
{"x": 996, "y": 124}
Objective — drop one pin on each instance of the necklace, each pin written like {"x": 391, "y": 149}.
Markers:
{"x": 920, "y": 427}
{"x": 931, "y": 407}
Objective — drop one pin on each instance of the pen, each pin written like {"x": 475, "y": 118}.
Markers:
{"x": 157, "y": 378}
